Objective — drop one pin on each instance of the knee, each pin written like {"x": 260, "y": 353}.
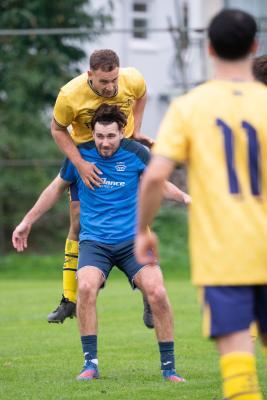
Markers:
{"x": 87, "y": 292}
{"x": 157, "y": 295}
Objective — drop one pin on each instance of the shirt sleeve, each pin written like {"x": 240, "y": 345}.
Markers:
{"x": 63, "y": 112}
{"x": 138, "y": 84}
{"x": 173, "y": 140}
{"x": 144, "y": 156}
{"x": 68, "y": 171}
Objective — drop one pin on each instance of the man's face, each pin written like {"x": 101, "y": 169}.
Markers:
{"x": 107, "y": 138}
{"x": 105, "y": 83}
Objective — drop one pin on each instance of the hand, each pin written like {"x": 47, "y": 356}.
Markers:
{"x": 89, "y": 174}
{"x": 146, "y": 248}
{"x": 20, "y": 236}
{"x": 144, "y": 139}
{"x": 186, "y": 198}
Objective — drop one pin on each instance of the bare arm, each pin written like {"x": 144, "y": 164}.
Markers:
{"x": 47, "y": 199}
{"x": 138, "y": 113}
{"x": 88, "y": 171}
{"x": 150, "y": 197}
{"x": 172, "y": 192}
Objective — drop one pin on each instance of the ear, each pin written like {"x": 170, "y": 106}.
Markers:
{"x": 254, "y": 47}
{"x": 121, "y": 133}
{"x": 211, "y": 51}
{"x": 89, "y": 73}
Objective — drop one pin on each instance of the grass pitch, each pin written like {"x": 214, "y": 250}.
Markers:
{"x": 40, "y": 361}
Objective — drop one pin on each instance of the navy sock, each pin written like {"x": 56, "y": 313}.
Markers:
{"x": 89, "y": 345}
{"x": 167, "y": 355}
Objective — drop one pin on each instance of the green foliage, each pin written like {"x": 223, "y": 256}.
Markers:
{"x": 32, "y": 69}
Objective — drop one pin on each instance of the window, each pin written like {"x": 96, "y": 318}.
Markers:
{"x": 140, "y": 18}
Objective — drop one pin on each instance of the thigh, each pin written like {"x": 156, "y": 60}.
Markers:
{"x": 227, "y": 309}
{"x": 74, "y": 212}
{"x": 148, "y": 278}
{"x": 73, "y": 193}
{"x": 95, "y": 255}
{"x": 125, "y": 260}
{"x": 261, "y": 307}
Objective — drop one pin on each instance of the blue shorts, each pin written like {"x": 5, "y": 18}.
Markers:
{"x": 229, "y": 309}
{"x": 106, "y": 256}
{"x": 73, "y": 192}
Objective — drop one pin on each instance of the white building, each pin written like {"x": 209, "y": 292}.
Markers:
{"x": 140, "y": 36}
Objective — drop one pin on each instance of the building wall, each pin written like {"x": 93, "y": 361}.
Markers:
{"x": 155, "y": 56}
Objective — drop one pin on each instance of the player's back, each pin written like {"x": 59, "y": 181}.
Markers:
{"x": 228, "y": 177}
{"x": 224, "y": 139}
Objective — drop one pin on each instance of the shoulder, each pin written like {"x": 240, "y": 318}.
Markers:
{"x": 131, "y": 73}
{"x": 136, "y": 149}
{"x": 75, "y": 84}
{"x": 86, "y": 147}
{"x": 186, "y": 104}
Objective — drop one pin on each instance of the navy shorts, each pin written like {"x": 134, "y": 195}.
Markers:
{"x": 229, "y": 309}
{"x": 106, "y": 256}
{"x": 73, "y": 192}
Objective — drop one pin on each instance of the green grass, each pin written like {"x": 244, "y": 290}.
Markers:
{"x": 40, "y": 361}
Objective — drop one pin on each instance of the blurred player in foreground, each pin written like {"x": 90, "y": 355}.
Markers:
{"x": 108, "y": 225}
{"x": 219, "y": 129}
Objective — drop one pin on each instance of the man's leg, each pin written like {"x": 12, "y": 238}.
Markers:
{"x": 264, "y": 343}
{"x": 90, "y": 280}
{"x": 149, "y": 279}
{"x": 67, "y": 305}
{"x": 238, "y": 366}
{"x": 229, "y": 311}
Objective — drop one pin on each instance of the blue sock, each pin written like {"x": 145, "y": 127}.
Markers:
{"x": 89, "y": 345}
{"x": 167, "y": 355}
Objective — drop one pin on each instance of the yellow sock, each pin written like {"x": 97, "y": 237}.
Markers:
{"x": 69, "y": 270}
{"x": 240, "y": 380}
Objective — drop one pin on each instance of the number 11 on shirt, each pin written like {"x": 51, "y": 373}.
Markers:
{"x": 253, "y": 157}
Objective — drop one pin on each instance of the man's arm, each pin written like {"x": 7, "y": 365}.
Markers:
{"x": 172, "y": 192}
{"x": 88, "y": 171}
{"x": 150, "y": 197}
{"x": 138, "y": 112}
{"x": 46, "y": 200}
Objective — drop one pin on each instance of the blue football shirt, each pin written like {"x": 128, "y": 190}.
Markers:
{"x": 108, "y": 213}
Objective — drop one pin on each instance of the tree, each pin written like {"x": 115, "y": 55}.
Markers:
{"x": 32, "y": 69}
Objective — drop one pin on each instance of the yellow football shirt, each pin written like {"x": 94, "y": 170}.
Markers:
{"x": 77, "y": 102}
{"x": 220, "y": 130}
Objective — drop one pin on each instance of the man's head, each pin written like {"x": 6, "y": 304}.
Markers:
{"x": 260, "y": 69}
{"x": 232, "y": 34}
{"x": 104, "y": 72}
{"x": 107, "y": 125}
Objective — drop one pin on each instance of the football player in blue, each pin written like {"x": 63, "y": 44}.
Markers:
{"x": 108, "y": 226}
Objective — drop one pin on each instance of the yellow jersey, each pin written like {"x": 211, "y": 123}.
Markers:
{"x": 220, "y": 130}
{"x": 77, "y": 102}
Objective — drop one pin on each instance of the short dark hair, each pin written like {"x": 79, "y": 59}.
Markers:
{"x": 260, "y": 69}
{"x": 231, "y": 33}
{"x": 106, "y": 60}
{"x": 107, "y": 114}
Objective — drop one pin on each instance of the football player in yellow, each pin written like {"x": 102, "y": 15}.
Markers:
{"x": 76, "y": 103}
{"x": 220, "y": 130}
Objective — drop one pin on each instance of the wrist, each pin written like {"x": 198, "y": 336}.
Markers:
{"x": 28, "y": 220}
